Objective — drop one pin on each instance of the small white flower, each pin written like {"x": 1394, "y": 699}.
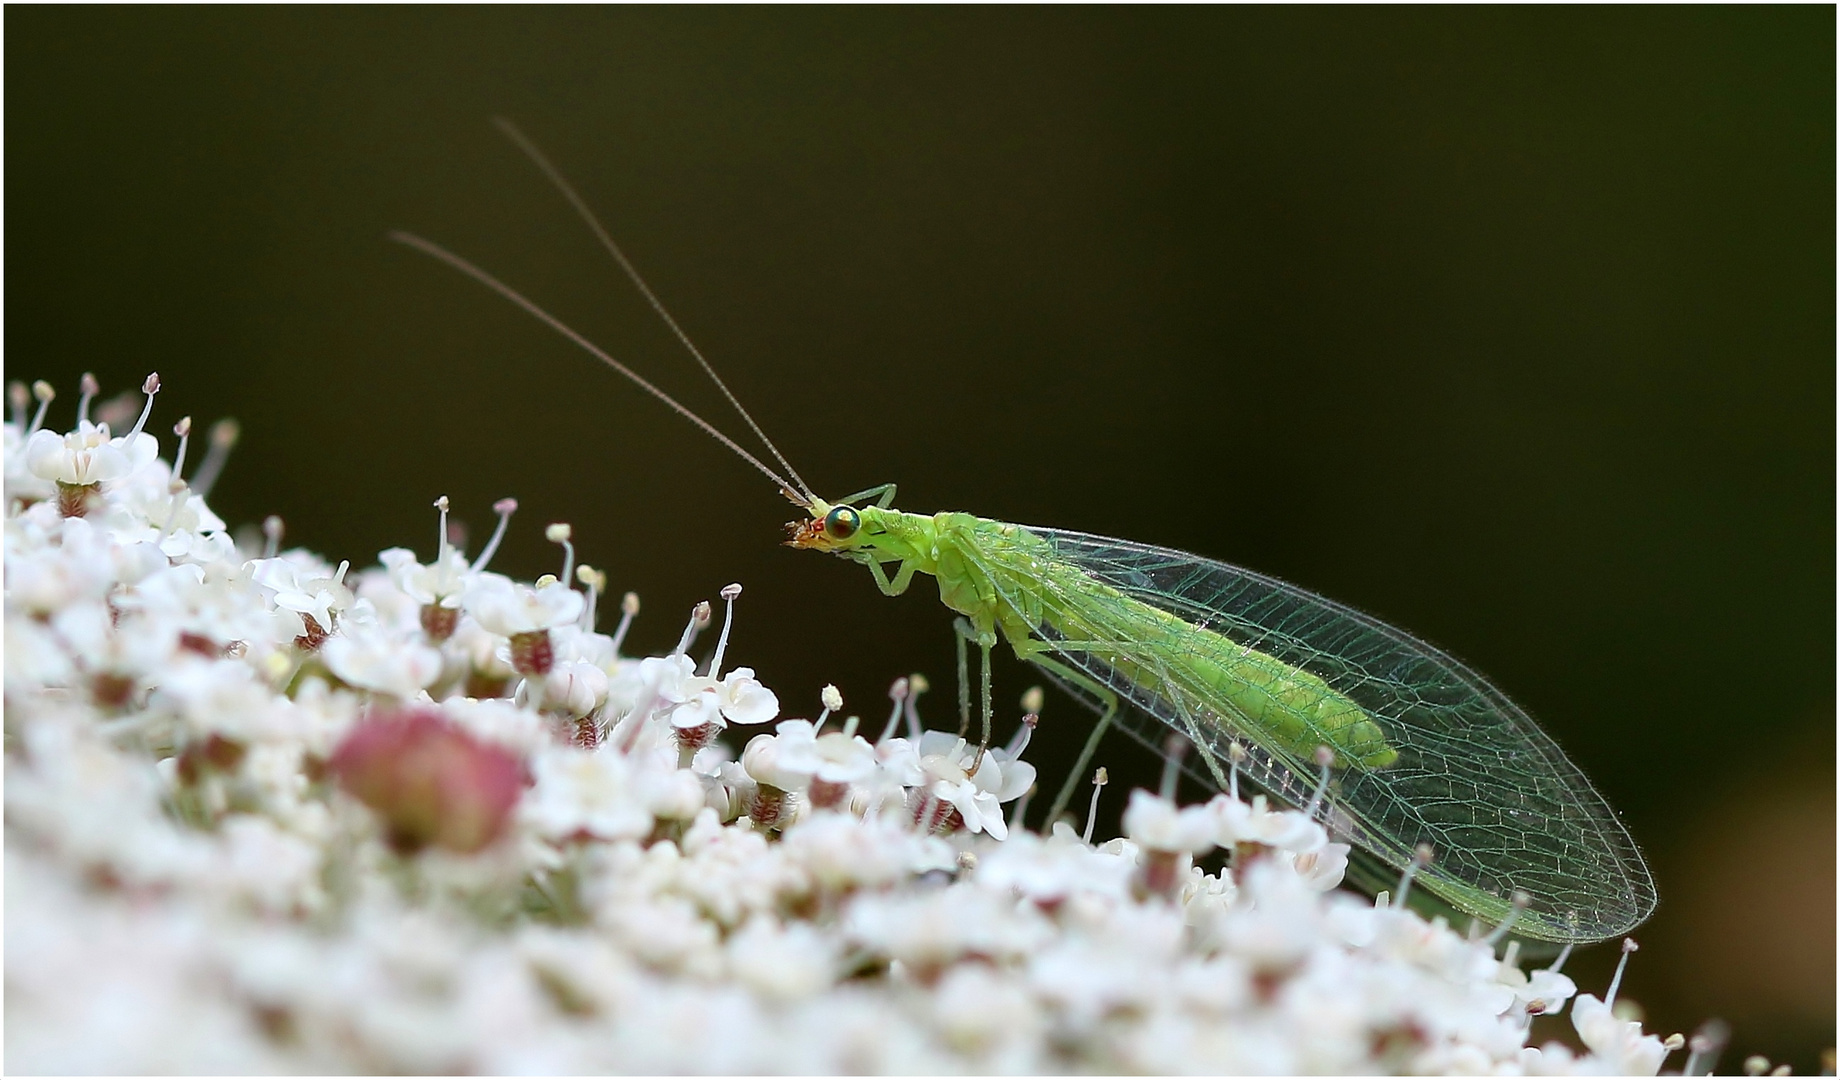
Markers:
{"x": 572, "y": 688}
{"x": 1323, "y": 868}
{"x": 87, "y": 455}
{"x": 1256, "y": 823}
{"x": 1156, "y": 823}
{"x": 441, "y": 582}
{"x": 364, "y": 655}
{"x": 1540, "y": 992}
{"x": 578, "y": 793}
{"x": 1620, "y": 1043}
{"x": 1048, "y": 871}
{"x": 292, "y": 587}
{"x": 507, "y": 608}
{"x": 787, "y": 760}
{"x": 743, "y": 700}
{"x": 845, "y": 759}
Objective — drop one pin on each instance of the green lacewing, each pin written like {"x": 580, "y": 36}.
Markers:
{"x": 1313, "y": 702}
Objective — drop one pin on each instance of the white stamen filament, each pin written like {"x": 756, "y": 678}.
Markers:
{"x": 560, "y": 533}
{"x": 898, "y": 694}
{"x": 1325, "y": 757}
{"x": 17, "y": 398}
{"x": 729, "y": 592}
{"x": 916, "y": 685}
{"x": 1235, "y": 754}
{"x": 440, "y": 543}
{"x": 595, "y": 581}
{"x": 699, "y": 618}
{"x": 832, "y": 700}
{"x": 150, "y": 388}
{"x": 629, "y": 609}
{"x": 90, "y": 390}
{"x": 272, "y": 528}
{"x": 1616, "y": 980}
{"x": 224, "y": 434}
{"x": 43, "y": 392}
{"x": 1517, "y": 904}
{"x": 1021, "y": 813}
{"x": 183, "y": 429}
{"x": 504, "y": 508}
{"x": 1421, "y": 858}
{"x": 1100, "y": 779}
{"x": 1020, "y": 741}
{"x": 1703, "y": 1048}
{"x": 1564, "y": 955}
{"x": 1173, "y": 749}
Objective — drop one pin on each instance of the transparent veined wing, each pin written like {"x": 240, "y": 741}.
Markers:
{"x": 1475, "y": 777}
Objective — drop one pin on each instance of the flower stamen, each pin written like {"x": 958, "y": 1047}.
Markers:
{"x": 917, "y": 685}
{"x": 1616, "y": 980}
{"x": 897, "y": 693}
{"x": 1703, "y": 1048}
{"x": 560, "y": 533}
{"x": 224, "y": 435}
{"x": 1517, "y": 904}
{"x": 504, "y": 508}
{"x": 90, "y": 389}
{"x": 629, "y": 609}
{"x": 183, "y": 429}
{"x": 43, "y": 392}
{"x": 729, "y": 592}
{"x": 699, "y": 618}
{"x": 832, "y": 699}
{"x": 150, "y": 388}
{"x": 1100, "y": 779}
{"x": 1421, "y": 858}
{"x": 1325, "y": 757}
{"x": 596, "y": 583}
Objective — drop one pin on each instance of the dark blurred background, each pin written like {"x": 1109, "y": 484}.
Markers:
{"x": 1515, "y": 327}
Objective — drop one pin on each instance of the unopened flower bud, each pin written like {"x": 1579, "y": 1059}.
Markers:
{"x": 430, "y": 781}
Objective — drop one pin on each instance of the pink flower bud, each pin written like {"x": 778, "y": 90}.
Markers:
{"x": 430, "y": 781}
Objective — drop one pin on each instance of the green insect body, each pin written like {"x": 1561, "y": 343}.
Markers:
{"x": 1260, "y": 676}
{"x": 978, "y": 562}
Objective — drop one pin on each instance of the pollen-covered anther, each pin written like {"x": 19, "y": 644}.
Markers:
{"x": 532, "y": 653}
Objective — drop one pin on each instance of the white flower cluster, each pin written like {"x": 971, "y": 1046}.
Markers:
{"x": 264, "y": 814}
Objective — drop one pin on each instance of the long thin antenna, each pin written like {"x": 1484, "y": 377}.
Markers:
{"x": 600, "y": 232}
{"x": 428, "y": 247}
